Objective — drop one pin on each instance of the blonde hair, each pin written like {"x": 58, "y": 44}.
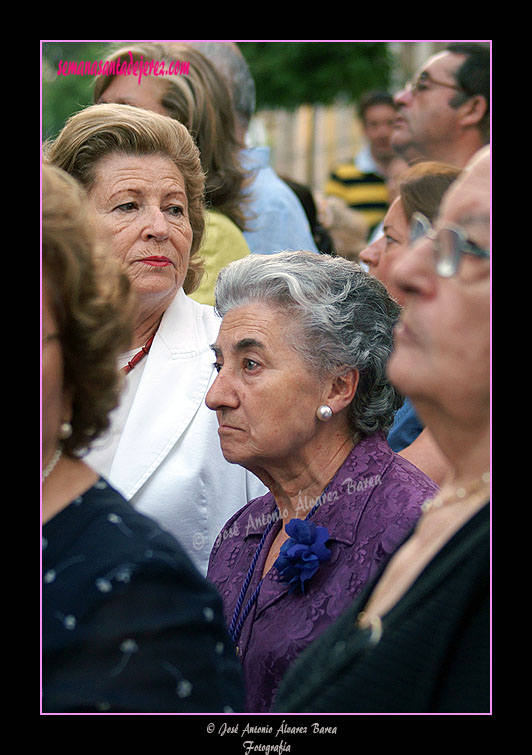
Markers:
{"x": 201, "y": 100}
{"x": 92, "y": 303}
{"x": 422, "y": 186}
{"x": 99, "y": 130}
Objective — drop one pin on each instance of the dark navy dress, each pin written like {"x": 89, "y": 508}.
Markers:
{"x": 128, "y": 623}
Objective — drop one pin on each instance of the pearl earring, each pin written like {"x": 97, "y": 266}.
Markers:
{"x": 324, "y": 413}
{"x": 65, "y": 431}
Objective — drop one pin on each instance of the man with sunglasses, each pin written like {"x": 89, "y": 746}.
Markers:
{"x": 444, "y": 113}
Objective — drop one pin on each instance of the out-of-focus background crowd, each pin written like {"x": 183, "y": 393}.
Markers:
{"x": 308, "y": 97}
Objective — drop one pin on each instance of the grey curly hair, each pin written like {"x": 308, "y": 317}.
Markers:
{"x": 343, "y": 319}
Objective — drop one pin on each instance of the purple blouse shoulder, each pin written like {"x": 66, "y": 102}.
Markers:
{"x": 371, "y": 505}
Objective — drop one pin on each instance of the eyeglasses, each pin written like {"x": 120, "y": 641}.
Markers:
{"x": 424, "y": 78}
{"x": 449, "y": 242}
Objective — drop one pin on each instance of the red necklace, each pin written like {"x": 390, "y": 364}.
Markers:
{"x": 139, "y": 355}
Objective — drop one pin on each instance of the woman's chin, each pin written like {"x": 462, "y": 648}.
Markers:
{"x": 156, "y": 291}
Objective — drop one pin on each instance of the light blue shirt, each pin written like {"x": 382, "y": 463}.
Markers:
{"x": 278, "y": 221}
{"x": 365, "y": 162}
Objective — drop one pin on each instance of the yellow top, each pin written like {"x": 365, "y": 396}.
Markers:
{"x": 222, "y": 243}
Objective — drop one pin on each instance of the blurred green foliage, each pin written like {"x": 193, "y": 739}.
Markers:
{"x": 287, "y": 74}
{"x": 64, "y": 95}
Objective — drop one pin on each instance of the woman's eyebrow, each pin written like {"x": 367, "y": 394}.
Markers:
{"x": 246, "y": 343}
{"x": 242, "y": 345}
{"x": 125, "y": 190}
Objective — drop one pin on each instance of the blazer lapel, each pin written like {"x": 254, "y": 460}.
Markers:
{"x": 176, "y": 378}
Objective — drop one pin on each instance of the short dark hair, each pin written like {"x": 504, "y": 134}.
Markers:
{"x": 473, "y": 76}
{"x": 374, "y": 97}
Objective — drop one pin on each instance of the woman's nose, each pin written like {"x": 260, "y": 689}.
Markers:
{"x": 221, "y": 393}
{"x": 211, "y": 399}
{"x": 156, "y": 225}
{"x": 413, "y": 272}
{"x": 371, "y": 254}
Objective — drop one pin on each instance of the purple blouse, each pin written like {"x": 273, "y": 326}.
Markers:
{"x": 371, "y": 505}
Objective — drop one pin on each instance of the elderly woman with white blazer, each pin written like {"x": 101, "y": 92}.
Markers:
{"x": 145, "y": 184}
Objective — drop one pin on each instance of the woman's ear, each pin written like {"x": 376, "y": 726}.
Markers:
{"x": 342, "y": 390}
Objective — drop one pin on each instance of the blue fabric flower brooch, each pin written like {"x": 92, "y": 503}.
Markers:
{"x": 301, "y": 555}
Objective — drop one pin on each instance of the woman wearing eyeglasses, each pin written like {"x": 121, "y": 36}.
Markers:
{"x": 418, "y": 639}
{"x": 420, "y": 191}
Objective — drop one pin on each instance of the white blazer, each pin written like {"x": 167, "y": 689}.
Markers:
{"x": 168, "y": 462}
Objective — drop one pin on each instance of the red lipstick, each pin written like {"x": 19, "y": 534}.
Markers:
{"x": 157, "y": 261}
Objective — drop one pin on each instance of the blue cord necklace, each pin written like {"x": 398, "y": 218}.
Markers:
{"x": 236, "y": 628}
{"x": 237, "y": 623}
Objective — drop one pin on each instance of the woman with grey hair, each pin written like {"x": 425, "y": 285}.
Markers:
{"x": 303, "y": 402}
